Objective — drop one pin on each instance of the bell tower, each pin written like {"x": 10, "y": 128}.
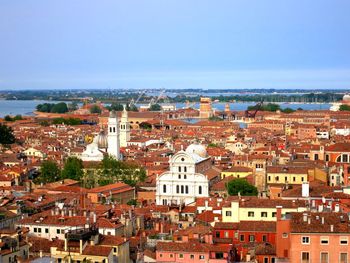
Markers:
{"x": 113, "y": 135}
{"x": 124, "y": 129}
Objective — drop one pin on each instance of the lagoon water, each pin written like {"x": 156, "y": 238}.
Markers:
{"x": 26, "y": 107}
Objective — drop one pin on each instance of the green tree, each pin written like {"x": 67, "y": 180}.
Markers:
{"x": 95, "y": 109}
{"x": 132, "y": 202}
{"x": 6, "y": 135}
{"x": 241, "y": 186}
{"x": 8, "y": 118}
{"x": 73, "y": 169}
{"x": 344, "y": 107}
{"x": 49, "y": 172}
{"x": 45, "y": 107}
{"x": 60, "y": 107}
{"x": 131, "y": 108}
{"x": 116, "y": 106}
{"x": 215, "y": 118}
{"x": 155, "y": 107}
{"x": 112, "y": 170}
{"x": 288, "y": 110}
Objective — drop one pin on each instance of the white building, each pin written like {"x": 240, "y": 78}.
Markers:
{"x": 113, "y": 136}
{"x": 124, "y": 129}
{"x": 103, "y": 144}
{"x": 185, "y": 181}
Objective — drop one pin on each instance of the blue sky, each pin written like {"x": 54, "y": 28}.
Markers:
{"x": 137, "y": 44}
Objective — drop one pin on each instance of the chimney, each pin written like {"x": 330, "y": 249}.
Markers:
{"x": 53, "y": 212}
{"x": 332, "y": 228}
{"x": 279, "y": 212}
{"x": 305, "y": 189}
{"x": 337, "y": 208}
{"x": 304, "y": 217}
{"x": 309, "y": 220}
{"x": 62, "y": 213}
{"x": 322, "y": 220}
{"x": 94, "y": 217}
{"x": 206, "y": 204}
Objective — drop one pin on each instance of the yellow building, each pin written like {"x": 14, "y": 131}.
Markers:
{"x": 287, "y": 175}
{"x": 258, "y": 209}
{"x": 237, "y": 172}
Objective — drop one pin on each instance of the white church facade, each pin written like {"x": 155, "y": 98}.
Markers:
{"x": 118, "y": 134}
{"x": 185, "y": 181}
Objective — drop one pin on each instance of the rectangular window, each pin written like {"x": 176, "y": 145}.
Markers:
{"x": 228, "y": 213}
{"x": 181, "y": 255}
{"x": 226, "y": 234}
{"x": 201, "y": 257}
{"x": 324, "y": 257}
{"x": 264, "y": 238}
{"x": 217, "y": 234}
{"x": 58, "y": 231}
{"x": 35, "y": 230}
{"x": 305, "y": 240}
{"x": 46, "y": 230}
{"x": 343, "y": 240}
{"x": 305, "y": 257}
{"x": 274, "y": 214}
{"x": 251, "y": 238}
{"x": 263, "y": 214}
{"x": 250, "y": 214}
{"x": 343, "y": 258}
{"x": 324, "y": 240}
{"x": 241, "y": 238}
{"x": 266, "y": 260}
{"x": 171, "y": 255}
{"x": 39, "y": 230}
{"x": 192, "y": 256}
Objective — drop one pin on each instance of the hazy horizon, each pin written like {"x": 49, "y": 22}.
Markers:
{"x": 150, "y": 44}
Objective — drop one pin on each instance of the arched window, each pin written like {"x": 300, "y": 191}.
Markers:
{"x": 164, "y": 188}
{"x": 200, "y": 190}
{"x": 186, "y": 189}
{"x": 185, "y": 169}
{"x": 110, "y": 129}
{"x": 182, "y": 189}
{"x": 177, "y": 189}
{"x": 179, "y": 169}
{"x": 185, "y": 176}
{"x": 113, "y": 129}
{"x": 339, "y": 159}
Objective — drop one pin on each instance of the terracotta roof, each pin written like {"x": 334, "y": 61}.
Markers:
{"x": 102, "y": 251}
{"x": 339, "y": 221}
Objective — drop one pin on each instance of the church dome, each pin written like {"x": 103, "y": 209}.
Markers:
{"x": 102, "y": 140}
{"x": 198, "y": 149}
{"x": 346, "y": 98}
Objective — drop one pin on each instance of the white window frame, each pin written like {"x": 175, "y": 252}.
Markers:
{"x": 326, "y": 252}
{"x": 301, "y": 255}
{"x": 347, "y": 256}
{"x": 305, "y": 243}
{"x": 342, "y": 238}
{"x": 323, "y": 238}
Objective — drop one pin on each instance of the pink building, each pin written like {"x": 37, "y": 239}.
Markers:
{"x": 191, "y": 252}
{"x": 314, "y": 237}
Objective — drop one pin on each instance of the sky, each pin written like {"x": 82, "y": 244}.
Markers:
{"x": 142, "y": 44}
